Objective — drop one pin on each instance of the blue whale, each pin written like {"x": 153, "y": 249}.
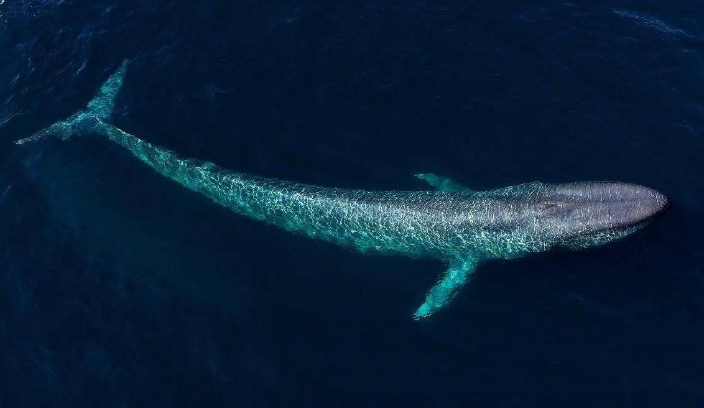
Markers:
{"x": 450, "y": 222}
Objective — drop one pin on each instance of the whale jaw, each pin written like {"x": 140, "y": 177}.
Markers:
{"x": 593, "y": 213}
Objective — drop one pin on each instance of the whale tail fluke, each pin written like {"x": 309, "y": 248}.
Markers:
{"x": 99, "y": 109}
{"x": 103, "y": 104}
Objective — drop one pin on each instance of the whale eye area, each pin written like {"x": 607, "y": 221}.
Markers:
{"x": 546, "y": 205}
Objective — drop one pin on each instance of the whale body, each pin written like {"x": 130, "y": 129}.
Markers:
{"x": 450, "y": 222}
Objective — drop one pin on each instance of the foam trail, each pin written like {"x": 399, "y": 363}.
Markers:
{"x": 654, "y": 23}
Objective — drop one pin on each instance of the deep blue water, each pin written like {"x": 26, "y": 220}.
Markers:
{"x": 120, "y": 288}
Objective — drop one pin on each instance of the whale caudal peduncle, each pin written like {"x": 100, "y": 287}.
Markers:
{"x": 451, "y": 222}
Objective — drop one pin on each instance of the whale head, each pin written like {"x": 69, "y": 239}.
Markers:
{"x": 588, "y": 214}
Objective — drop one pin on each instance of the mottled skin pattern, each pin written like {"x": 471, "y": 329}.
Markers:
{"x": 453, "y": 223}
{"x": 422, "y": 224}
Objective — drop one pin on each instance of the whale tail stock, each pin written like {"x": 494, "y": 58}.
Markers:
{"x": 95, "y": 118}
{"x": 98, "y": 110}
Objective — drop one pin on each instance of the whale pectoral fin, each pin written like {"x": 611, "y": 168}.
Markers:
{"x": 441, "y": 183}
{"x": 442, "y": 293}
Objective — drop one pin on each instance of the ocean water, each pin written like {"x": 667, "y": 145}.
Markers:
{"x": 120, "y": 288}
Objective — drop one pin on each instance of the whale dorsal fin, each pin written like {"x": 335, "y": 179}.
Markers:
{"x": 442, "y": 293}
{"x": 442, "y": 183}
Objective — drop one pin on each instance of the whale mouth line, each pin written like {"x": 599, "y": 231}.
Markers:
{"x": 603, "y": 208}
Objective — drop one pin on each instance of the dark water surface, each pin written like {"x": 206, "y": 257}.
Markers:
{"x": 120, "y": 288}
